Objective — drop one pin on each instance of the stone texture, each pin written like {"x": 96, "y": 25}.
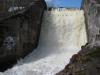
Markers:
{"x": 19, "y": 29}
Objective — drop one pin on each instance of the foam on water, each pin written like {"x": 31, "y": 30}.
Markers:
{"x": 62, "y": 35}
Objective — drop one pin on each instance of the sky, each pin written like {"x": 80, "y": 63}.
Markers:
{"x": 64, "y": 3}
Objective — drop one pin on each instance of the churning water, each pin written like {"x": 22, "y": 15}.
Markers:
{"x": 62, "y": 35}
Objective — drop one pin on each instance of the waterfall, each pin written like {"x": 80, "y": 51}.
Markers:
{"x": 62, "y": 35}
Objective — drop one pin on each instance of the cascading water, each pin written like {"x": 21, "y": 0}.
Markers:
{"x": 62, "y": 35}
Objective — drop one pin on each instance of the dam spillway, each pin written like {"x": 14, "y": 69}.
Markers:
{"x": 62, "y": 35}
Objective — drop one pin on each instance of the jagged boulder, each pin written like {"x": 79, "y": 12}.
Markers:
{"x": 20, "y": 24}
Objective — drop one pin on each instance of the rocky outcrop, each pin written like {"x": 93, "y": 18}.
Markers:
{"x": 87, "y": 61}
{"x": 20, "y": 24}
{"x": 10, "y": 8}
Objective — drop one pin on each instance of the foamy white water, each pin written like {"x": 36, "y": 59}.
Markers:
{"x": 62, "y": 35}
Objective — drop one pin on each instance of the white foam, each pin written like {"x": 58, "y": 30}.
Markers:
{"x": 62, "y": 35}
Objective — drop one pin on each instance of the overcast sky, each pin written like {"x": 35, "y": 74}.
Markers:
{"x": 64, "y": 3}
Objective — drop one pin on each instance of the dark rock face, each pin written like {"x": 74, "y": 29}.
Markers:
{"x": 20, "y": 26}
{"x": 87, "y": 61}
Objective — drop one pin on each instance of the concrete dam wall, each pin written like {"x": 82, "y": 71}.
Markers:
{"x": 62, "y": 35}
